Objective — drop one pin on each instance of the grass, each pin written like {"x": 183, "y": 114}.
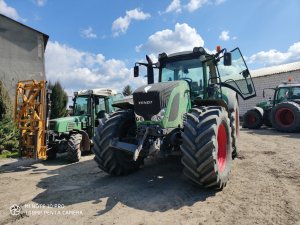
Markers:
{"x": 9, "y": 155}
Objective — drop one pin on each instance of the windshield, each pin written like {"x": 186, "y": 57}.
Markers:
{"x": 288, "y": 93}
{"x": 81, "y": 105}
{"x": 190, "y": 70}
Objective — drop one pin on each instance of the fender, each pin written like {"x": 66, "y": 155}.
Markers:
{"x": 259, "y": 110}
{"x": 125, "y": 103}
{"x": 211, "y": 102}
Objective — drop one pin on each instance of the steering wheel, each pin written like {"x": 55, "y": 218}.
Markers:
{"x": 189, "y": 80}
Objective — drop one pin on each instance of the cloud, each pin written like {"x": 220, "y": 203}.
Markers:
{"x": 195, "y": 4}
{"x": 40, "y": 2}
{"x": 78, "y": 70}
{"x": 121, "y": 24}
{"x": 175, "y": 6}
{"x": 224, "y": 36}
{"x": 182, "y": 38}
{"x": 88, "y": 33}
{"x": 9, "y": 11}
{"x": 191, "y": 6}
{"x": 275, "y": 57}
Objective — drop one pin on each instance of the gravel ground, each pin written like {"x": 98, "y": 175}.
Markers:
{"x": 264, "y": 188}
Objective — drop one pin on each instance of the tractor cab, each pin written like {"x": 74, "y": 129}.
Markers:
{"x": 94, "y": 105}
{"x": 206, "y": 73}
{"x": 287, "y": 92}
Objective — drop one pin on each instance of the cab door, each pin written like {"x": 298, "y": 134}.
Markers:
{"x": 237, "y": 75}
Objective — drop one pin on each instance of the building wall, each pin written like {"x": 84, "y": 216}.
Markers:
{"x": 262, "y": 82}
{"x": 21, "y": 54}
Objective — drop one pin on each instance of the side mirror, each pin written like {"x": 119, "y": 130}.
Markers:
{"x": 136, "y": 71}
{"x": 71, "y": 107}
{"x": 227, "y": 59}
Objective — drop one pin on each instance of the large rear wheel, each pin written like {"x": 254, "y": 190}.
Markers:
{"x": 286, "y": 117}
{"x": 207, "y": 146}
{"x": 120, "y": 126}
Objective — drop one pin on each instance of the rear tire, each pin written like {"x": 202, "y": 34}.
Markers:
{"x": 207, "y": 146}
{"x": 121, "y": 126}
{"x": 286, "y": 117}
{"x": 252, "y": 119}
{"x": 74, "y": 148}
{"x": 235, "y": 128}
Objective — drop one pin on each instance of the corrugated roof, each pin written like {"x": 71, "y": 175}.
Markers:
{"x": 275, "y": 69}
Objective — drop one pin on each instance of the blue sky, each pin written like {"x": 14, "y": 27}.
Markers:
{"x": 95, "y": 43}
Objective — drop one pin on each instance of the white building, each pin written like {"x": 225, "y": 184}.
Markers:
{"x": 269, "y": 77}
{"x": 21, "y": 53}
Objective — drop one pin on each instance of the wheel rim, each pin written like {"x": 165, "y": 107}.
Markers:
{"x": 285, "y": 117}
{"x": 252, "y": 119}
{"x": 222, "y": 147}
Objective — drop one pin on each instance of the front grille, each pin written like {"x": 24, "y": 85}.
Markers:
{"x": 147, "y": 104}
{"x": 70, "y": 126}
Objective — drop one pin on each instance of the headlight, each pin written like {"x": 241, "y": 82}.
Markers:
{"x": 138, "y": 118}
{"x": 159, "y": 116}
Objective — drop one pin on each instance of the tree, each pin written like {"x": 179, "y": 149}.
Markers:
{"x": 127, "y": 90}
{"x": 9, "y": 134}
{"x": 59, "y": 100}
{"x": 5, "y": 102}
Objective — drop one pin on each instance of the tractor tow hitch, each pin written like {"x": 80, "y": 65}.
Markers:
{"x": 130, "y": 148}
{"x": 140, "y": 146}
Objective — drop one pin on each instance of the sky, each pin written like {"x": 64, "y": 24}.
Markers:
{"x": 95, "y": 43}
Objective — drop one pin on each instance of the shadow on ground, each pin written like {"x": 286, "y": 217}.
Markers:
{"x": 158, "y": 186}
{"x": 25, "y": 164}
{"x": 271, "y": 131}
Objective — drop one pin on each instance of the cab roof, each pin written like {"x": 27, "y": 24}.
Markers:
{"x": 100, "y": 92}
{"x": 289, "y": 84}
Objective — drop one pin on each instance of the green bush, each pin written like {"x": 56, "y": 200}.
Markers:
{"x": 9, "y": 134}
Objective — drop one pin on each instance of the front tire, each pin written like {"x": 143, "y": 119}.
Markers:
{"x": 74, "y": 148}
{"x": 252, "y": 119}
{"x": 120, "y": 126}
{"x": 207, "y": 146}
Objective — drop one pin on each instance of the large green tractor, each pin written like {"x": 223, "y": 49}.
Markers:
{"x": 282, "y": 112}
{"x": 192, "y": 110}
{"x": 73, "y": 134}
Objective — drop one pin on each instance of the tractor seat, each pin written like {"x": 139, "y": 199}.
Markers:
{"x": 102, "y": 114}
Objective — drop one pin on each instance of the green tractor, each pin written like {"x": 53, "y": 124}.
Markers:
{"x": 192, "y": 111}
{"x": 73, "y": 134}
{"x": 282, "y": 112}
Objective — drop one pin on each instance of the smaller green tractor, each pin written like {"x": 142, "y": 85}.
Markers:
{"x": 73, "y": 134}
{"x": 282, "y": 112}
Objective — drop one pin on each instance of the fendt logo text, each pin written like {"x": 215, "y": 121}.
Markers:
{"x": 145, "y": 102}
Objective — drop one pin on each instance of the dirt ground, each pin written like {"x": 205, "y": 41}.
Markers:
{"x": 264, "y": 188}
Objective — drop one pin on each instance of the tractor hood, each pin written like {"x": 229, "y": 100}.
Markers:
{"x": 66, "y": 124}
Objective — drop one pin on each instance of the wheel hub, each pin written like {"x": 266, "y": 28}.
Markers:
{"x": 285, "y": 117}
